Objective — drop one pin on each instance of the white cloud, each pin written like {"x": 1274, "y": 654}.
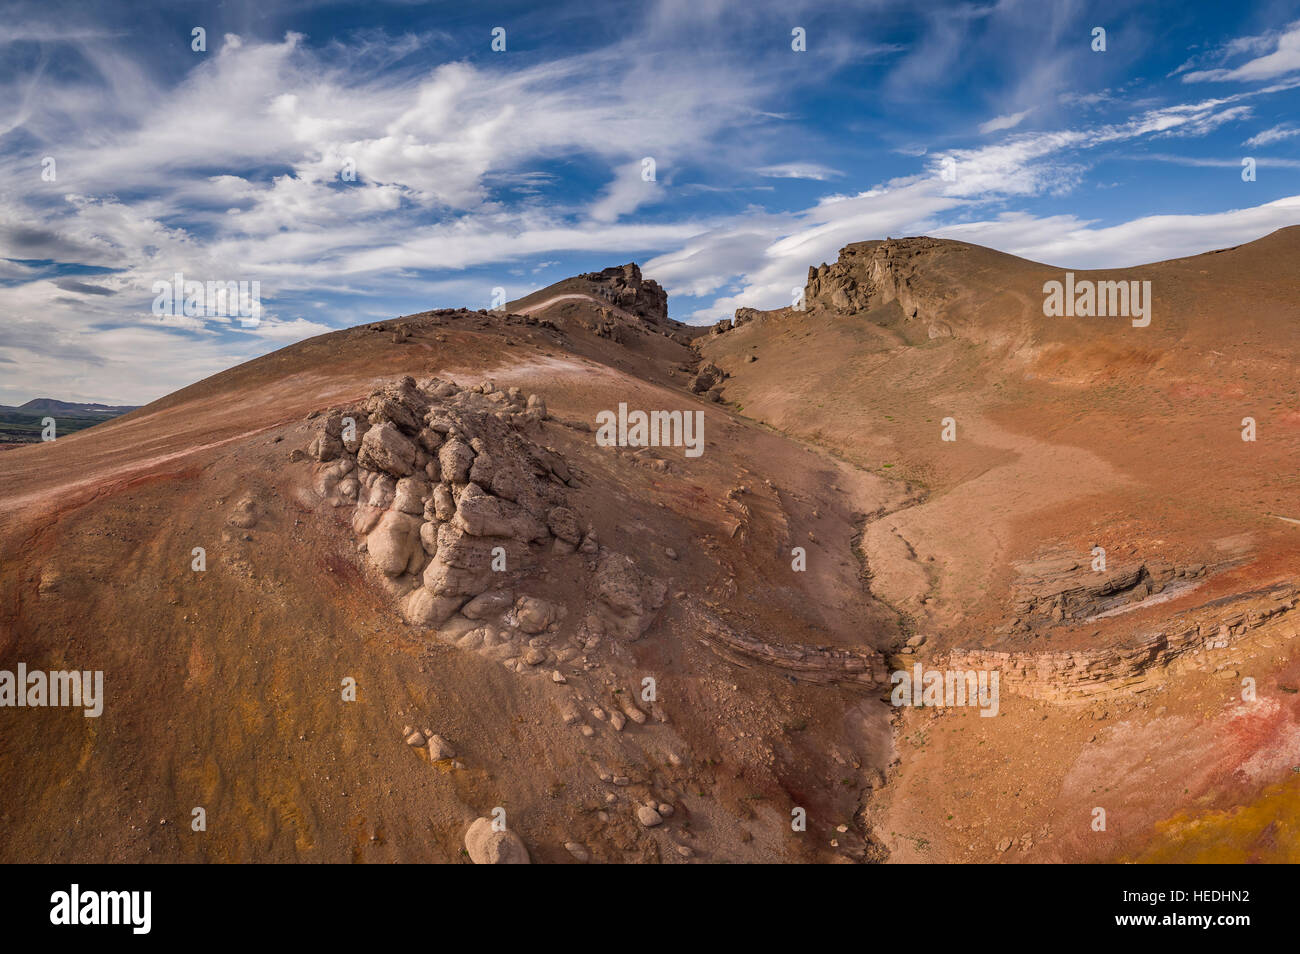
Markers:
{"x": 800, "y": 170}
{"x": 1283, "y": 58}
{"x": 1009, "y": 121}
{"x": 1272, "y": 135}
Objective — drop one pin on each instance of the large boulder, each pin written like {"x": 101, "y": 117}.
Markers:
{"x": 384, "y": 448}
{"x": 483, "y": 515}
{"x": 394, "y": 543}
{"x": 487, "y": 605}
{"x": 462, "y": 565}
{"x": 489, "y": 847}
{"x": 401, "y": 403}
{"x": 563, "y": 522}
{"x": 455, "y": 458}
{"x": 444, "y": 504}
{"x": 410, "y": 494}
{"x": 626, "y": 602}
{"x": 534, "y": 614}
{"x": 423, "y": 608}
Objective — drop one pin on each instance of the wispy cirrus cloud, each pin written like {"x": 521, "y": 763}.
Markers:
{"x": 1272, "y": 55}
{"x": 363, "y": 166}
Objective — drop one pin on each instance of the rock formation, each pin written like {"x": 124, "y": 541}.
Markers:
{"x": 870, "y": 274}
{"x": 456, "y": 502}
{"x": 1063, "y": 589}
{"x": 622, "y": 285}
{"x": 1080, "y": 675}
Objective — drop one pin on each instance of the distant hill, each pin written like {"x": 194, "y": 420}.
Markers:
{"x": 23, "y": 424}
{"x": 51, "y": 406}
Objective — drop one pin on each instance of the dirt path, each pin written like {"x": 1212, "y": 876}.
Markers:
{"x": 577, "y": 295}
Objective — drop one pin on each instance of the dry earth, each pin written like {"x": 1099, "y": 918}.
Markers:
{"x": 334, "y": 556}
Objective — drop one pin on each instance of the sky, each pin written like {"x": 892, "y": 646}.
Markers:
{"x": 366, "y": 160}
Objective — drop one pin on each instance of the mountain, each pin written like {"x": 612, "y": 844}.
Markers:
{"x": 25, "y": 424}
{"x": 51, "y": 406}
{"x": 356, "y": 595}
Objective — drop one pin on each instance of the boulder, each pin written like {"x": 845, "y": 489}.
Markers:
{"x": 423, "y": 608}
{"x": 488, "y": 847}
{"x": 535, "y": 615}
{"x": 487, "y": 605}
{"x": 483, "y": 515}
{"x": 563, "y": 522}
{"x": 384, "y": 448}
{"x": 352, "y": 436}
{"x": 394, "y": 542}
{"x": 455, "y": 458}
{"x": 462, "y": 565}
{"x": 625, "y": 601}
{"x": 444, "y": 504}
{"x": 410, "y": 494}
{"x": 429, "y": 537}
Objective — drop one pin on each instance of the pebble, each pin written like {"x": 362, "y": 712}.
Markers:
{"x": 578, "y": 852}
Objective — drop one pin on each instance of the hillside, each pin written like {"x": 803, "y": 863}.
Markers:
{"x": 430, "y": 509}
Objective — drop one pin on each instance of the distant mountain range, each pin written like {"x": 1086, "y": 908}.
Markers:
{"x": 51, "y": 406}
{"x": 23, "y": 424}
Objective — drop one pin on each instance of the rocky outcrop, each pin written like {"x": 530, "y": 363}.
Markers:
{"x": 807, "y": 663}
{"x": 1083, "y": 674}
{"x": 1062, "y": 589}
{"x": 870, "y": 274}
{"x": 626, "y": 602}
{"x": 460, "y": 507}
{"x": 708, "y": 378}
{"x": 448, "y": 492}
{"x": 622, "y": 285}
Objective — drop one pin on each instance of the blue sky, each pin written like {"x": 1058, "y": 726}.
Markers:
{"x": 477, "y": 169}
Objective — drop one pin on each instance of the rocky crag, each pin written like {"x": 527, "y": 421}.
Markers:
{"x": 623, "y": 286}
{"x": 868, "y": 275}
{"x": 458, "y": 508}
{"x": 1063, "y": 589}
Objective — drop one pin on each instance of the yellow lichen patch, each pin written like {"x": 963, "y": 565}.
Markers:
{"x": 1267, "y": 831}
